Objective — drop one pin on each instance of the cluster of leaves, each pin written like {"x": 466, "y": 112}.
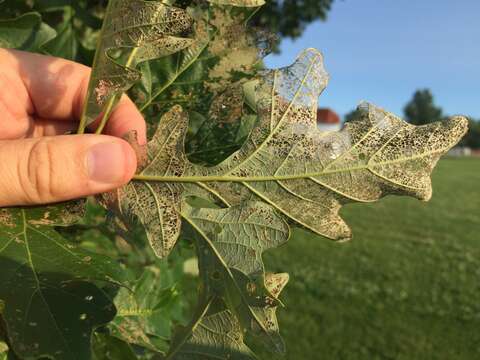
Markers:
{"x": 63, "y": 28}
{"x": 290, "y": 17}
{"x": 235, "y": 158}
{"x": 78, "y": 22}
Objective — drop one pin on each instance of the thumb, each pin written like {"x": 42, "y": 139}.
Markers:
{"x": 54, "y": 169}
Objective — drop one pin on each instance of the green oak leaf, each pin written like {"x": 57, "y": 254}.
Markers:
{"x": 49, "y": 286}
{"x": 26, "y": 32}
{"x": 304, "y": 173}
{"x": 146, "y": 311}
{"x": 65, "y": 44}
{"x": 133, "y": 31}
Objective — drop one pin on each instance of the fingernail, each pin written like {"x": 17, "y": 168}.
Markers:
{"x": 106, "y": 163}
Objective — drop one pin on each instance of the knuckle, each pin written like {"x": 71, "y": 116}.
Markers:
{"x": 57, "y": 88}
{"x": 59, "y": 82}
{"x": 39, "y": 182}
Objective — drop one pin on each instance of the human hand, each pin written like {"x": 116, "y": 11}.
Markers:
{"x": 41, "y": 98}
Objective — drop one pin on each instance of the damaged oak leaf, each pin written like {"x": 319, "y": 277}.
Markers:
{"x": 307, "y": 174}
{"x": 230, "y": 244}
{"x": 231, "y": 241}
{"x": 156, "y": 205}
{"x": 133, "y": 31}
{"x": 236, "y": 48}
{"x": 223, "y": 50}
{"x": 230, "y": 248}
{"x": 215, "y": 334}
{"x": 206, "y": 79}
{"x": 287, "y": 162}
{"x": 41, "y": 273}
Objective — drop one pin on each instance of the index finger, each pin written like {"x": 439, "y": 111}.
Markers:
{"x": 55, "y": 89}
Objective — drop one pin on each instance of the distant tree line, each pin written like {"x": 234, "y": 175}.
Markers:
{"x": 421, "y": 110}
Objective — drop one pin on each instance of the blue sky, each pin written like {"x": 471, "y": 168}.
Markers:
{"x": 382, "y": 51}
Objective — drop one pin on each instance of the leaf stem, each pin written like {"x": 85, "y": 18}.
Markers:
{"x": 228, "y": 178}
{"x": 111, "y": 103}
{"x": 83, "y": 118}
{"x": 106, "y": 114}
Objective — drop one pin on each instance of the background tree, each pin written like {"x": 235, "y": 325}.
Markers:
{"x": 472, "y": 139}
{"x": 289, "y": 18}
{"x": 422, "y": 109}
{"x": 78, "y": 21}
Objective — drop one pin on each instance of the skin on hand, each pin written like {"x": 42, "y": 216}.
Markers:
{"x": 41, "y": 98}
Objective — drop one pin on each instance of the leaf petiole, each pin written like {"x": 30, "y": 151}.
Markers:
{"x": 111, "y": 103}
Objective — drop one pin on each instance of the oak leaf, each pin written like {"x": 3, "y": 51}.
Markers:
{"x": 287, "y": 162}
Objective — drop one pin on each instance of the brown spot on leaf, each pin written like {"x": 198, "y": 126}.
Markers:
{"x": 6, "y": 218}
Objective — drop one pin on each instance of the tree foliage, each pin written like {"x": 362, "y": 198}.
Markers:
{"x": 235, "y": 159}
{"x": 472, "y": 139}
{"x": 78, "y": 22}
{"x": 421, "y": 109}
{"x": 289, "y": 18}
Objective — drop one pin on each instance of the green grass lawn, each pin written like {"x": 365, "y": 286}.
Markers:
{"x": 406, "y": 287}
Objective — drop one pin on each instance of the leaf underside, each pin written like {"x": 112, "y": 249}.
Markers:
{"x": 237, "y": 293}
{"x": 286, "y": 169}
{"x": 217, "y": 336}
{"x": 304, "y": 173}
{"x": 231, "y": 244}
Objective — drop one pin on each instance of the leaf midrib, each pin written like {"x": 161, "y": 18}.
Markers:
{"x": 241, "y": 179}
{"x": 37, "y": 280}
